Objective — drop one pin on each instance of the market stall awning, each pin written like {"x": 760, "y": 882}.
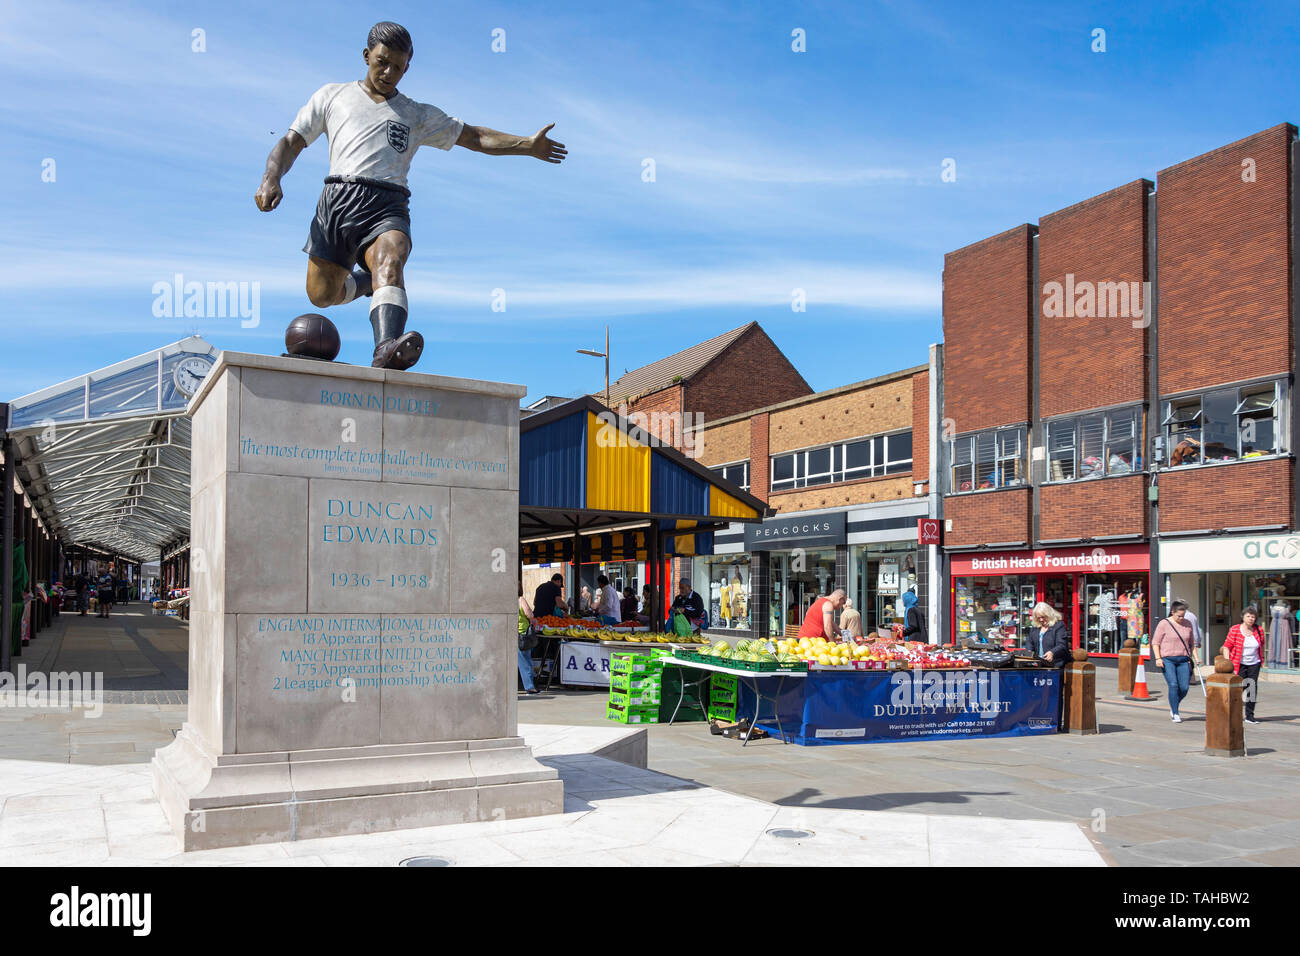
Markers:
{"x": 106, "y": 456}
{"x": 586, "y": 471}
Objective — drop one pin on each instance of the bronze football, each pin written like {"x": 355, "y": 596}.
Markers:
{"x": 312, "y": 336}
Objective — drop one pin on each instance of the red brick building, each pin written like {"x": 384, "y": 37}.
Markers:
{"x": 1116, "y": 399}
{"x": 722, "y": 376}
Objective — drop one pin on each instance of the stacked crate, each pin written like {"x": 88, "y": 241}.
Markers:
{"x": 634, "y": 687}
{"x": 722, "y": 698}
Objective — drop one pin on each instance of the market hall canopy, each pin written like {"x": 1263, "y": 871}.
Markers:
{"x": 586, "y": 472}
{"x": 106, "y": 456}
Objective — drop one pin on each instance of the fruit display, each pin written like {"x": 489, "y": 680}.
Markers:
{"x": 754, "y": 652}
{"x": 586, "y": 632}
{"x": 872, "y": 655}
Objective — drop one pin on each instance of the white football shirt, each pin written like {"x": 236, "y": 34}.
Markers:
{"x": 374, "y": 140}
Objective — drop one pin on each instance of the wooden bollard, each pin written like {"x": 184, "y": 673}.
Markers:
{"x": 1079, "y": 695}
{"x": 1128, "y": 665}
{"x": 1223, "y": 715}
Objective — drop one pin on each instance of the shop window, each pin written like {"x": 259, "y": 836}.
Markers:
{"x": 723, "y": 581}
{"x": 987, "y": 460}
{"x": 1257, "y": 414}
{"x": 898, "y": 453}
{"x": 1093, "y": 446}
{"x": 737, "y": 473}
{"x": 1225, "y": 424}
{"x": 846, "y": 461}
{"x": 1060, "y": 451}
{"x": 1121, "y": 442}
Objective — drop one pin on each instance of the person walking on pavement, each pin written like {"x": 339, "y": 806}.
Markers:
{"x": 526, "y": 620}
{"x": 105, "y": 594}
{"x": 1244, "y": 648}
{"x": 1172, "y": 647}
{"x": 82, "y": 586}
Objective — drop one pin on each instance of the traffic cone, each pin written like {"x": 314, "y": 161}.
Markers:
{"x": 1139, "y": 683}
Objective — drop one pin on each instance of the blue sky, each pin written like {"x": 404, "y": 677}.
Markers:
{"x": 775, "y": 170}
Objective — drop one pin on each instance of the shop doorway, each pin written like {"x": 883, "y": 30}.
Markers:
{"x": 798, "y": 579}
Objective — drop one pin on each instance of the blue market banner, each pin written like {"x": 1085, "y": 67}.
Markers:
{"x": 839, "y": 707}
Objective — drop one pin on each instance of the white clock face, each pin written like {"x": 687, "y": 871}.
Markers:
{"x": 188, "y": 375}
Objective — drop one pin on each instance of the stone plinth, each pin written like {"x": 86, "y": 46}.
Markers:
{"x": 1224, "y": 733}
{"x": 1079, "y": 695}
{"x": 1128, "y": 665}
{"x": 354, "y": 548}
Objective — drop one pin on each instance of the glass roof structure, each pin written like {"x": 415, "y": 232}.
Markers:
{"x": 106, "y": 456}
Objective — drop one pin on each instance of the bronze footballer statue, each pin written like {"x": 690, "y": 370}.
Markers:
{"x": 363, "y": 216}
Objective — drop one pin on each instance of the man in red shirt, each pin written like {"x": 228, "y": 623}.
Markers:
{"x": 822, "y": 615}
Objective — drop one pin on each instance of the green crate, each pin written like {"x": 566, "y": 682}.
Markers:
{"x": 626, "y": 662}
{"x": 646, "y": 697}
{"x": 724, "y": 682}
{"x": 633, "y": 715}
{"x": 722, "y": 712}
{"x": 635, "y": 681}
{"x": 720, "y": 695}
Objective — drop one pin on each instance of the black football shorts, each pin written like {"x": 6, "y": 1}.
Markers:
{"x": 351, "y": 214}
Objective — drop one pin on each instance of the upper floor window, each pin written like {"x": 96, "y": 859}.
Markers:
{"x": 1094, "y": 445}
{"x": 737, "y": 473}
{"x": 1225, "y": 424}
{"x": 847, "y": 461}
{"x": 989, "y": 459}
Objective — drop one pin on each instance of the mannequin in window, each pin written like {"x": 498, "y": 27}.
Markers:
{"x": 1107, "y": 608}
{"x": 739, "y": 606}
{"x": 1280, "y": 636}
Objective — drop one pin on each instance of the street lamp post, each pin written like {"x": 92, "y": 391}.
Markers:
{"x": 605, "y": 356}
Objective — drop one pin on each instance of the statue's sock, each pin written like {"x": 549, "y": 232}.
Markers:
{"x": 357, "y": 284}
{"x": 388, "y": 313}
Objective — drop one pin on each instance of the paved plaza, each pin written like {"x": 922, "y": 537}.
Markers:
{"x": 1141, "y": 793}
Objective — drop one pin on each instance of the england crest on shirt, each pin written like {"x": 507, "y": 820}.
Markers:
{"x": 399, "y": 136}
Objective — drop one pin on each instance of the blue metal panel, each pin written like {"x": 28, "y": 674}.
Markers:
{"x": 553, "y": 464}
{"x": 676, "y": 491}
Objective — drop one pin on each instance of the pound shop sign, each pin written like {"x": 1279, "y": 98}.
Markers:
{"x": 586, "y": 665}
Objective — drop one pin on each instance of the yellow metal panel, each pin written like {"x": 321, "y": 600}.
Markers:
{"x": 618, "y": 469}
{"x": 723, "y": 505}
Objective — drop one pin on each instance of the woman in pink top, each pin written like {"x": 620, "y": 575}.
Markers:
{"x": 1172, "y": 646}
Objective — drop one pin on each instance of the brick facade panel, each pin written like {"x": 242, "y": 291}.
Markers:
{"x": 1240, "y": 495}
{"x": 722, "y": 443}
{"x": 986, "y": 331}
{"x": 751, "y": 373}
{"x": 987, "y": 517}
{"x": 921, "y": 427}
{"x": 870, "y": 410}
{"x": 1089, "y": 361}
{"x": 759, "y": 467}
{"x": 1086, "y": 509}
{"x": 870, "y": 491}
{"x": 1224, "y": 264}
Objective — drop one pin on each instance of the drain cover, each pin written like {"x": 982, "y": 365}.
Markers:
{"x": 425, "y": 861}
{"x": 786, "y": 834}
